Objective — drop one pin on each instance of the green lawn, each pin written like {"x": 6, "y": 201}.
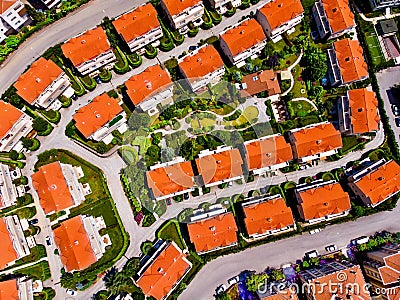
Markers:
{"x": 300, "y": 108}
{"x": 349, "y": 142}
{"x": 40, "y": 271}
{"x": 375, "y": 49}
{"x": 143, "y": 142}
{"x": 198, "y": 123}
{"x": 299, "y": 87}
{"x": 250, "y": 113}
{"x": 171, "y": 232}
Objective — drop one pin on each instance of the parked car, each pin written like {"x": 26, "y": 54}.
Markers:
{"x": 233, "y": 280}
{"x": 186, "y": 196}
{"x": 331, "y": 248}
{"x": 192, "y": 48}
{"x": 263, "y": 190}
{"x": 311, "y": 254}
{"x": 33, "y": 221}
{"x": 71, "y": 292}
{"x": 396, "y": 110}
{"x": 316, "y": 230}
{"x": 397, "y": 120}
{"x": 48, "y": 241}
{"x": 168, "y": 201}
{"x": 220, "y": 289}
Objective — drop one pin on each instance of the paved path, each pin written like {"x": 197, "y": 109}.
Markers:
{"x": 290, "y": 68}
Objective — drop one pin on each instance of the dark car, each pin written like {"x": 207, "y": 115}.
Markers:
{"x": 186, "y": 196}
{"x": 192, "y": 48}
{"x": 97, "y": 80}
{"x": 397, "y": 120}
{"x": 33, "y": 221}
{"x": 48, "y": 241}
{"x": 168, "y": 201}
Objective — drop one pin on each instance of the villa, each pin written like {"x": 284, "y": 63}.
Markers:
{"x": 322, "y": 201}
{"x": 258, "y": 82}
{"x": 16, "y": 289}
{"x": 13, "y": 17}
{"x": 222, "y": 6}
{"x": 100, "y": 118}
{"x": 42, "y": 84}
{"x": 89, "y": 52}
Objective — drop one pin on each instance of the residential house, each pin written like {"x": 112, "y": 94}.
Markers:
{"x": 381, "y": 4}
{"x": 245, "y": 40}
{"x": 42, "y": 84}
{"x": 58, "y": 187}
{"x": 339, "y": 280}
{"x": 267, "y": 215}
{"x": 212, "y": 230}
{"x": 222, "y": 6}
{"x": 202, "y": 67}
{"x": 267, "y": 153}
{"x": 89, "y": 52}
{"x": 14, "y": 245}
{"x": 74, "y": 245}
{"x": 258, "y": 82}
{"x": 316, "y": 141}
{"x": 377, "y": 182}
{"x": 13, "y": 126}
{"x": 219, "y": 166}
{"x": 170, "y": 179}
{"x": 321, "y": 201}
{"x": 346, "y": 63}
{"x": 333, "y": 18}
{"x": 100, "y": 118}
{"x": 13, "y": 17}
{"x": 182, "y": 13}
{"x": 139, "y": 28}
{"x": 382, "y": 269}
{"x": 8, "y": 191}
{"x": 163, "y": 270}
{"x": 151, "y": 87}
{"x": 358, "y": 112}
{"x": 16, "y": 289}
{"x": 387, "y": 36}
{"x": 280, "y": 16}
{"x": 45, "y": 4}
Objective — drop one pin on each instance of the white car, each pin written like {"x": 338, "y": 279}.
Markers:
{"x": 315, "y": 230}
{"x": 311, "y": 254}
{"x": 233, "y": 280}
{"x": 71, "y": 292}
{"x": 331, "y": 248}
{"x": 220, "y": 289}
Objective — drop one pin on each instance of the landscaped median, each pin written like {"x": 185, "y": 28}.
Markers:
{"x": 121, "y": 65}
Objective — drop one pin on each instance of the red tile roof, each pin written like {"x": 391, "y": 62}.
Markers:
{"x": 212, "y": 233}
{"x": 246, "y": 35}
{"x": 52, "y": 188}
{"x": 317, "y": 139}
{"x": 267, "y": 215}
{"x": 8, "y": 290}
{"x": 206, "y": 61}
{"x": 279, "y": 12}
{"x": 170, "y": 179}
{"x": 151, "y": 81}
{"x": 364, "y": 110}
{"x": 390, "y": 272}
{"x": 267, "y": 152}
{"x": 381, "y": 183}
{"x": 73, "y": 242}
{"x": 175, "y": 7}
{"x": 351, "y": 60}
{"x": 265, "y": 80}
{"x": 9, "y": 116}
{"x": 323, "y": 201}
{"x": 96, "y": 114}
{"x": 137, "y": 22}
{"x": 33, "y": 82}
{"x": 220, "y": 166}
{"x": 339, "y": 15}
{"x": 164, "y": 272}
{"x": 8, "y": 253}
{"x": 86, "y": 46}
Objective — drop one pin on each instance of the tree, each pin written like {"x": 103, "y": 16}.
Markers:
{"x": 358, "y": 211}
{"x": 117, "y": 282}
{"x": 12, "y": 42}
{"x": 27, "y": 143}
{"x": 131, "y": 267}
{"x": 138, "y": 296}
{"x": 315, "y": 61}
{"x": 188, "y": 149}
{"x": 16, "y": 101}
{"x": 67, "y": 281}
{"x": 70, "y": 129}
{"x": 255, "y": 281}
{"x": 14, "y": 155}
{"x": 268, "y": 50}
{"x": 273, "y": 61}
{"x": 139, "y": 120}
{"x": 39, "y": 124}
{"x": 34, "y": 14}
{"x": 223, "y": 296}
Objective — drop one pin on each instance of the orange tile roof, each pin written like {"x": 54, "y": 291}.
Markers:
{"x": 394, "y": 294}
{"x": 6, "y": 4}
{"x": 351, "y": 60}
{"x": 96, "y": 114}
{"x": 390, "y": 271}
{"x": 220, "y": 166}
{"x": 209, "y": 234}
{"x": 137, "y": 22}
{"x": 265, "y": 80}
{"x": 8, "y": 253}
{"x": 339, "y": 15}
{"x": 267, "y": 152}
{"x": 175, "y": 7}
{"x": 381, "y": 183}
{"x": 164, "y": 272}
{"x": 9, "y": 290}
{"x": 33, "y": 82}
{"x": 170, "y": 179}
{"x": 267, "y": 215}
{"x": 364, "y": 110}
{"x": 149, "y": 82}
{"x": 353, "y": 278}
{"x": 317, "y": 139}
{"x": 73, "y": 242}
{"x": 206, "y": 61}
{"x": 244, "y": 36}
{"x": 279, "y": 12}
{"x": 86, "y": 46}
{"x": 53, "y": 191}
{"x": 323, "y": 201}
{"x": 9, "y": 115}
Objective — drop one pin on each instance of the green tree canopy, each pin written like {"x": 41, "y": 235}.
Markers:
{"x": 255, "y": 281}
{"x": 315, "y": 61}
